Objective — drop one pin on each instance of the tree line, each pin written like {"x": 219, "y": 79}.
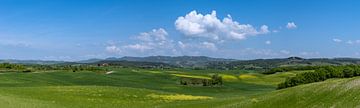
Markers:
{"x": 291, "y": 68}
{"x": 321, "y": 74}
{"x": 215, "y": 80}
{"x": 36, "y": 67}
{"x": 9, "y": 66}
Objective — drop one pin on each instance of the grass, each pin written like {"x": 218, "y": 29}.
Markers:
{"x": 272, "y": 79}
{"x": 136, "y": 88}
{"x": 122, "y": 88}
{"x": 191, "y": 76}
{"x": 80, "y": 96}
{"x": 334, "y": 93}
{"x": 178, "y": 97}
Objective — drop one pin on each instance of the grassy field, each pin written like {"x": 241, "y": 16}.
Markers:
{"x": 160, "y": 88}
{"x": 121, "y": 88}
{"x": 334, "y": 93}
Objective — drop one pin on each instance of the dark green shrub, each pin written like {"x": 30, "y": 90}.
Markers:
{"x": 321, "y": 74}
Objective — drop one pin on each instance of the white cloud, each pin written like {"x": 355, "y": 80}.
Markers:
{"x": 113, "y": 49}
{"x": 209, "y": 45}
{"x": 291, "y": 25}
{"x": 207, "y": 34}
{"x": 182, "y": 45}
{"x": 337, "y": 40}
{"x": 268, "y": 42}
{"x": 152, "y": 42}
{"x": 154, "y": 35}
{"x": 264, "y": 29}
{"x": 209, "y": 26}
{"x": 138, "y": 47}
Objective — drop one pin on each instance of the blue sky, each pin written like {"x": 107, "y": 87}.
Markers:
{"x": 240, "y": 29}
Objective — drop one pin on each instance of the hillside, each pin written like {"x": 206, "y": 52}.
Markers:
{"x": 335, "y": 93}
{"x": 262, "y": 64}
{"x": 181, "y": 61}
{"x": 139, "y": 64}
{"x": 134, "y": 87}
{"x": 125, "y": 87}
{"x": 42, "y": 62}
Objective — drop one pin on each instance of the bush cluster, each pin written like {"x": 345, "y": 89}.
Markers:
{"x": 35, "y": 67}
{"x": 321, "y": 74}
{"x": 290, "y": 68}
{"x": 215, "y": 80}
{"x": 9, "y": 66}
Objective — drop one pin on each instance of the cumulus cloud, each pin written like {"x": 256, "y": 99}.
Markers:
{"x": 204, "y": 35}
{"x": 210, "y": 26}
{"x": 139, "y": 47}
{"x": 155, "y": 41}
{"x": 337, "y": 40}
{"x": 291, "y": 25}
{"x": 154, "y": 35}
{"x": 113, "y": 49}
{"x": 209, "y": 45}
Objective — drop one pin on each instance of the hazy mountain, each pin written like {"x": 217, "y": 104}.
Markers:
{"x": 203, "y": 61}
{"x": 30, "y": 61}
{"x": 182, "y": 61}
{"x": 278, "y": 62}
{"x": 90, "y": 60}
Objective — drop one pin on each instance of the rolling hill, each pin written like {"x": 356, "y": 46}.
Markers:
{"x": 335, "y": 93}
{"x": 181, "y": 61}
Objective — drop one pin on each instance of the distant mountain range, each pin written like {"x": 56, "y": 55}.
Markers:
{"x": 30, "y": 61}
{"x": 181, "y": 61}
{"x": 291, "y": 61}
{"x": 202, "y": 61}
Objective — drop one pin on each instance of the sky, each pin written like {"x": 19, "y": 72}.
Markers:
{"x": 73, "y": 30}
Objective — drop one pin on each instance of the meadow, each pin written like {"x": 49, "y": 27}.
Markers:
{"x": 124, "y": 87}
{"x": 145, "y": 88}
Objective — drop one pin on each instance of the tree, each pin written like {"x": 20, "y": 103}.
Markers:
{"x": 216, "y": 79}
{"x": 348, "y": 72}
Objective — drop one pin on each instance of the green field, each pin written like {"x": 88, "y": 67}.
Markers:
{"x": 334, "y": 93}
{"x": 160, "y": 88}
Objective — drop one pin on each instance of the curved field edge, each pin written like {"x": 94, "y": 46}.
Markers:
{"x": 334, "y": 93}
